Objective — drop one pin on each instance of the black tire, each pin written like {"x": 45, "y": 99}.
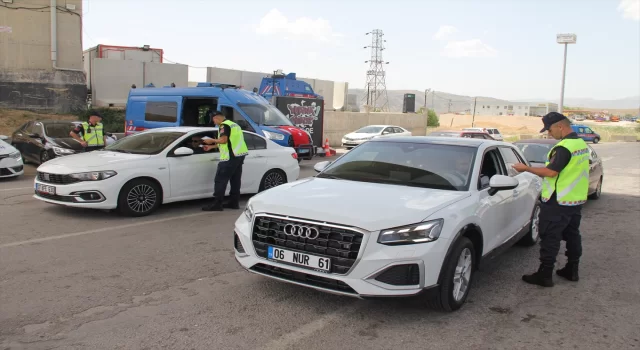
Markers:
{"x": 44, "y": 157}
{"x": 533, "y": 234}
{"x": 272, "y": 178}
{"x": 444, "y": 300}
{"x": 149, "y": 198}
{"x": 595, "y": 195}
{"x": 596, "y": 140}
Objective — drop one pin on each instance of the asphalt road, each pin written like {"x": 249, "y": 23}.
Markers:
{"x": 79, "y": 279}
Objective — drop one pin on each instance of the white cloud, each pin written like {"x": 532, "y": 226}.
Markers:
{"x": 444, "y": 32}
{"x": 469, "y": 48}
{"x": 630, "y": 9}
{"x": 275, "y": 23}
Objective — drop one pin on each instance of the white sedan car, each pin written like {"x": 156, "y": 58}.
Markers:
{"x": 393, "y": 217}
{"x": 140, "y": 172}
{"x": 11, "y": 164}
{"x": 370, "y": 132}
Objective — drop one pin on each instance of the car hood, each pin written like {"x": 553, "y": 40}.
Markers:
{"x": 6, "y": 148}
{"x": 66, "y": 142}
{"x": 91, "y": 161}
{"x": 369, "y": 206}
{"x": 360, "y": 135}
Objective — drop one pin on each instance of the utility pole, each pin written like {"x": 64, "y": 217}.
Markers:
{"x": 564, "y": 39}
{"x": 433, "y": 106}
{"x": 376, "y": 75}
{"x": 473, "y": 119}
{"x": 449, "y": 111}
{"x": 426, "y": 91}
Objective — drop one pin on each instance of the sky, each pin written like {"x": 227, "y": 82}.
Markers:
{"x": 496, "y": 48}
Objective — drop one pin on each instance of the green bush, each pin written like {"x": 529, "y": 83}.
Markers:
{"x": 112, "y": 118}
{"x": 432, "y": 119}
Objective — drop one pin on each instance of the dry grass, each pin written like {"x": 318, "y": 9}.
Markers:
{"x": 11, "y": 119}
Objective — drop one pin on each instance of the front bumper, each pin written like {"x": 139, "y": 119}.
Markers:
{"x": 352, "y": 143}
{"x": 305, "y": 151}
{"x": 364, "y": 279}
{"x": 11, "y": 167}
{"x": 86, "y": 194}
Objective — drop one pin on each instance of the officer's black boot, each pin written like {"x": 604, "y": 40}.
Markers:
{"x": 569, "y": 271}
{"x": 233, "y": 203}
{"x": 216, "y": 205}
{"x": 543, "y": 277}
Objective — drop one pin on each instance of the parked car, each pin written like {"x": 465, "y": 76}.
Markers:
{"x": 142, "y": 171}
{"x": 586, "y": 133}
{"x": 42, "y": 140}
{"x": 468, "y": 134}
{"x": 536, "y": 151}
{"x": 369, "y": 132}
{"x": 10, "y": 159}
{"x": 161, "y": 107}
{"x": 393, "y": 217}
{"x": 495, "y": 133}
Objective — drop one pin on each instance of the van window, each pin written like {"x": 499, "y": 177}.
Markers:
{"x": 266, "y": 114}
{"x": 161, "y": 112}
{"x": 195, "y": 111}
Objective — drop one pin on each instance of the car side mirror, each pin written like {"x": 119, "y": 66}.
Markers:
{"x": 501, "y": 183}
{"x": 4, "y": 137}
{"x": 319, "y": 167}
{"x": 183, "y": 152}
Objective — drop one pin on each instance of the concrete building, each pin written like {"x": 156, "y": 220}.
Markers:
{"x": 41, "y": 55}
{"x": 524, "y": 109}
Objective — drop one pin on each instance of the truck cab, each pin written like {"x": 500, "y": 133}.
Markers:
{"x": 280, "y": 84}
{"x": 152, "y": 107}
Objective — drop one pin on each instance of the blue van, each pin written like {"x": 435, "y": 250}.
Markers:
{"x": 586, "y": 133}
{"x": 151, "y": 107}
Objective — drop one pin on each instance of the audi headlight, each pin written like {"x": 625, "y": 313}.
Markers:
{"x": 419, "y": 233}
{"x": 273, "y": 136}
{"x": 94, "y": 175}
{"x": 15, "y": 155}
{"x": 248, "y": 212}
{"x": 62, "y": 151}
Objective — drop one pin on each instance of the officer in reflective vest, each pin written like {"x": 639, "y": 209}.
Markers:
{"x": 92, "y": 132}
{"x": 233, "y": 150}
{"x": 565, "y": 187}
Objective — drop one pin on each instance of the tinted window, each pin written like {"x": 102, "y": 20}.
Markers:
{"x": 369, "y": 130}
{"x": 510, "y": 158}
{"x": 161, "y": 112}
{"x": 145, "y": 143}
{"x": 581, "y": 130}
{"x": 588, "y": 130}
{"x": 59, "y": 130}
{"x": 254, "y": 142}
{"x": 437, "y": 166}
{"x": 36, "y": 128}
{"x": 534, "y": 152}
{"x": 398, "y": 130}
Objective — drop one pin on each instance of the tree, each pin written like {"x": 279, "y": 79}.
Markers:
{"x": 432, "y": 119}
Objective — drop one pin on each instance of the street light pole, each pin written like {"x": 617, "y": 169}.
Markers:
{"x": 565, "y": 39}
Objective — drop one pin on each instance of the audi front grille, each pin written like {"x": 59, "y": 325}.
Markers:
{"x": 56, "y": 179}
{"x": 340, "y": 244}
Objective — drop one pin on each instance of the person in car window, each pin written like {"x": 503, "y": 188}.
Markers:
{"x": 233, "y": 150}
{"x": 197, "y": 145}
{"x": 92, "y": 132}
{"x": 565, "y": 186}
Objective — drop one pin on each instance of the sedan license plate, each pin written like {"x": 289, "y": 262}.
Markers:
{"x": 46, "y": 189}
{"x": 302, "y": 259}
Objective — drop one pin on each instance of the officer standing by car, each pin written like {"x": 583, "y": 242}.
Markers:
{"x": 565, "y": 187}
{"x": 93, "y": 137}
{"x": 233, "y": 150}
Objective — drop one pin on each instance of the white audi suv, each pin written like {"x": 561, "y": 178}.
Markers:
{"x": 393, "y": 217}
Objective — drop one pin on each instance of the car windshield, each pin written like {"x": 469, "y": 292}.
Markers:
{"x": 144, "y": 143}
{"x": 425, "y": 165}
{"x": 266, "y": 115}
{"x": 445, "y": 134}
{"x": 369, "y": 130}
{"x": 59, "y": 130}
{"x": 535, "y": 152}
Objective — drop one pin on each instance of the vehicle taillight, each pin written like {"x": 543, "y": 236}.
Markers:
{"x": 294, "y": 155}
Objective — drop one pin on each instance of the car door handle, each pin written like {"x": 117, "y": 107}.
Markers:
{"x": 515, "y": 193}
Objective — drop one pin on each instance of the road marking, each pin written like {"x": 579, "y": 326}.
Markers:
{"x": 308, "y": 329}
{"x": 607, "y": 158}
{"x": 15, "y": 189}
{"x": 68, "y": 235}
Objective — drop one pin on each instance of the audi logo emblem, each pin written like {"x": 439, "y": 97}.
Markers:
{"x": 301, "y": 231}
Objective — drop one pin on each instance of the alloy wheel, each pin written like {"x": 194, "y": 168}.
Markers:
{"x": 462, "y": 275}
{"x": 141, "y": 198}
{"x": 273, "y": 179}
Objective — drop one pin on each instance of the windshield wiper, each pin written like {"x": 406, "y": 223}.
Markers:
{"x": 333, "y": 177}
{"x": 119, "y": 151}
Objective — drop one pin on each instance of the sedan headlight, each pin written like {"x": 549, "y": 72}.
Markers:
{"x": 273, "y": 136}
{"x": 94, "y": 175}
{"x": 62, "y": 151}
{"x": 248, "y": 212}
{"x": 419, "y": 233}
{"x": 15, "y": 155}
